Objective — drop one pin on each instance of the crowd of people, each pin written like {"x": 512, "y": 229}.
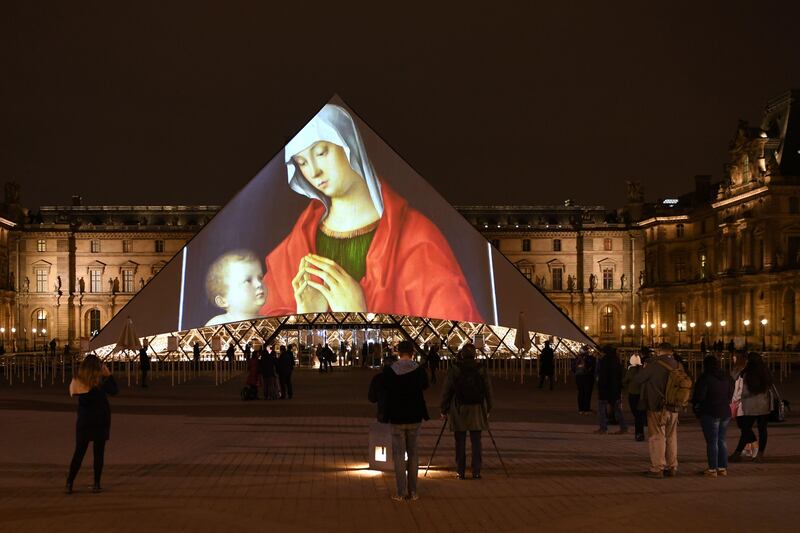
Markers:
{"x": 657, "y": 385}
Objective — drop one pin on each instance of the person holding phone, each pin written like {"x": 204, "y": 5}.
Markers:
{"x": 92, "y": 385}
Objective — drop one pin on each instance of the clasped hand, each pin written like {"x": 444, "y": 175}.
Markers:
{"x": 338, "y": 291}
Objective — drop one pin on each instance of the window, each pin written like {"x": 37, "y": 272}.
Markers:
{"x": 745, "y": 169}
{"x": 95, "y": 246}
{"x": 159, "y": 246}
{"x": 95, "y": 280}
{"x": 608, "y": 320}
{"x": 703, "y": 265}
{"x": 680, "y": 268}
{"x": 680, "y": 314}
{"x": 526, "y": 245}
{"x": 527, "y": 272}
{"x": 40, "y": 320}
{"x": 794, "y": 205}
{"x": 558, "y": 279}
{"x": 608, "y": 278}
{"x": 127, "y": 246}
{"x": 94, "y": 322}
{"x": 607, "y": 245}
{"x": 41, "y": 245}
{"x": 495, "y": 243}
{"x": 127, "y": 281}
{"x": 41, "y": 280}
{"x": 679, "y": 230}
{"x": 556, "y": 245}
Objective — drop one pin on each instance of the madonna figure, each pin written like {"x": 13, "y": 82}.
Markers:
{"x": 358, "y": 246}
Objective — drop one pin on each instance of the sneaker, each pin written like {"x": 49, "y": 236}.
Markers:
{"x": 654, "y": 475}
{"x": 670, "y": 472}
{"x": 413, "y": 496}
{"x": 461, "y": 476}
{"x": 709, "y": 472}
{"x": 398, "y": 498}
{"x": 722, "y": 472}
{"x": 600, "y": 432}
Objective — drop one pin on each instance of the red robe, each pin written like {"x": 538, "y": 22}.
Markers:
{"x": 411, "y": 269}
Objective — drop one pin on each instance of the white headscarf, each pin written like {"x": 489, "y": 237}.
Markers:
{"x": 635, "y": 360}
{"x": 334, "y": 125}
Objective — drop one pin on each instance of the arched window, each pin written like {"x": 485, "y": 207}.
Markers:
{"x": 94, "y": 322}
{"x": 40, "y": 322}
{"x": 680, "y": 315}
{"x": 608, "y": 320}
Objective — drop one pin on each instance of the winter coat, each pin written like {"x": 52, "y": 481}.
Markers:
{"x": 404, "y": 381}
{"x": 286, "y": 363}
{"x": 712, "y": 394}
{"x": 267, "y": 365}
{"x": 547, "y": 364}
{"x": 629, "y": 384}
{"x": 609, "y": 379}
{"x": 583, "y": 364}
{"x": 653, "y": 378}
{"x": 94, "y": 411}
{"x": 474, "y": 417}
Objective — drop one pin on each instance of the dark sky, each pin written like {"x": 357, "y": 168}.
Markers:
{"x": 159, "y": 103}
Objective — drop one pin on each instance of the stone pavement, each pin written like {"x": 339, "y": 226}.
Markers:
{"x": 196, "y": 458}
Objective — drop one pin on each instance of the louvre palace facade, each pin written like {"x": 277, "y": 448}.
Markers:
{"x": 721, "y": 262}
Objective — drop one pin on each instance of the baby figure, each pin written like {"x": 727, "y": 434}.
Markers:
{"x": 233, "y": 283}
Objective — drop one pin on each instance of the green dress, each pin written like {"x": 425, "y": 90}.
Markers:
{"x": 349, "y": 252}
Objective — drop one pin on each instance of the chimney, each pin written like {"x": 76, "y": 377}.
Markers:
{"x": 76, "y": 200}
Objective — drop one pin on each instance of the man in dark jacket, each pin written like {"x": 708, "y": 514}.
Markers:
{"x": 547, "y": 364}
{"x": 433, "y": 362}
{"x": 405, "y": 408}
{"x": 469, "y": 385}
{"x": 266, "y": 365}
{"x": 662, "y": 424}
{"x": 609, "y": 390}
{"x": 711, "y": 402}
{"x": 285, "y": 368}
{"x": 583, "y": 366}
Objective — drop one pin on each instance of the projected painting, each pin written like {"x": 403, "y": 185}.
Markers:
{"x": 358, "y": 241}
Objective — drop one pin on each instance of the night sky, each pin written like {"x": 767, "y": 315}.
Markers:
{"x": 157, "y": 103}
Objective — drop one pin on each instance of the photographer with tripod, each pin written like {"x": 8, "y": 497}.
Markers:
{"x": 469, "y": 385}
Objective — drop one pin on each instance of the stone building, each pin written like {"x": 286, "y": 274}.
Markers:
{"x": 723, "y": 262}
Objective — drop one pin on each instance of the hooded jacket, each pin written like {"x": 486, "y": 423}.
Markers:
{"x": 404, "y": 381}
{"x": 712, "y": 394}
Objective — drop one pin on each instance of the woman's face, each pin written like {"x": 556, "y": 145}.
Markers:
{"x": 326, "y": 167}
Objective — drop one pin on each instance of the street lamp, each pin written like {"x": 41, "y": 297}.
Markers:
{"x": 746, "y": 323}
{"x": 722, "y": 324}
{"x": 663, "y": 328}
{"x": 641, "y": 334}
{"x": 652, "y": 335}
{"x": 708, "y": 338}
{"x": 623, "y": 327}
{"x": 33, "y": 330}
{"x": 763, "y": 335}
{"x": 691, "y": 327}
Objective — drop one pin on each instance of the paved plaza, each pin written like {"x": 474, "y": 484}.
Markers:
{"x": 194, "y": 457}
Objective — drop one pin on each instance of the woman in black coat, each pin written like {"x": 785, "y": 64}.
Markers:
{"x": 92, "y": 385}
{"x": 609, "y": 390}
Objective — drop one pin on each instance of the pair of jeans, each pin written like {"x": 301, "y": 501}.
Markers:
{"x": 602, "y": 414}
{"x": 745, "y": 424}
{"x": 461, "y": 452}
{"x": 404, "y": 444}
{"x": 716, "y": 447}
{"x": 77, "y": 458}
{"x": 662, "y": 440}
{"x": 585, "y": 384}
{"x": 639, "y": 416}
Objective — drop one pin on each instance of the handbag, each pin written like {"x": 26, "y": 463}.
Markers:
{"x": 778, "y": 412}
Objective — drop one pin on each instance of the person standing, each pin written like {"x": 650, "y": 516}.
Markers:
{"x": 547, "y": 365}
{"x": 92, "y": 386}
{"x": 755, "y": 405}
{"x": 285, "y": 368}
{"x": 404, "y": 380}
{"x": 662, "y": 423}
{"x": 433, "y": 362}
{"x": 144, "y": 365}
{"x": 711, "y": 402}
{"x": 583, "y": 367}
{"x": 467, "y": 403}
{"x": 196, "y": 356}
{"x": 229, "y": 353}
{"x": 253, "y": 376}
{"x": 53, "y": 347}
{"x": 266, "y": 365}
{"x": 609, "y": 391}
{"x": 634, "y": 391}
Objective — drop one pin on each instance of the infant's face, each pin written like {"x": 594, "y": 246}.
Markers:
{"x": 245, "y": 292}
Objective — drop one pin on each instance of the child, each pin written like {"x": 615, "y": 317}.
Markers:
{"x": 233, "y": 283}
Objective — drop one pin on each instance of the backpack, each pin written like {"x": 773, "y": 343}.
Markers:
{"x": 469, "y": 386}
{"x": 679, "y": 388}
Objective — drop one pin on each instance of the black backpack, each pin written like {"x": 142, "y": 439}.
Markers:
{"x": 469, "y": 385}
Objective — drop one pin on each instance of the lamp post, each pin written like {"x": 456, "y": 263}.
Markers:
{"x": 641, "y": 335}
{"x": 33, "y": 330}
{"x": 763, "y": 334}
{"x": 14, "y": 338}
{"x": 663, "y": 330}
{"x": 632, "y": 329}
{"x": 708, "y": 339}
{"x": 623, "y": 327}
{"x": 722, "y": 325}
{"x": 691, "y": 328}
{"x": 746, "y": 323}
{"x": 652, "y": 335}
